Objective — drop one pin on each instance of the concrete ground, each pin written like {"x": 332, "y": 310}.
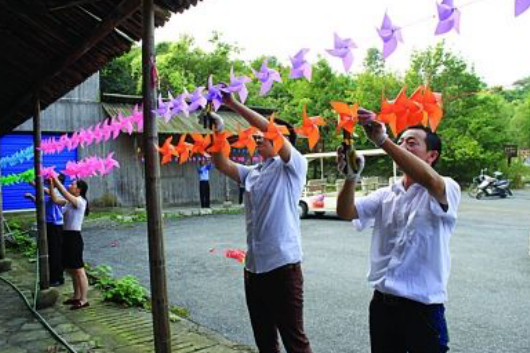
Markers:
{"x": 489, "y": 288}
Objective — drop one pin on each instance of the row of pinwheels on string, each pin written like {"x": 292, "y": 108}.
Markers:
{"x": 422, "y": 107}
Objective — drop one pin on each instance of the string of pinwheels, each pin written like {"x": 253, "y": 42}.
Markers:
{"x": 12, "y": 179}
{"x": 17, "y": 158}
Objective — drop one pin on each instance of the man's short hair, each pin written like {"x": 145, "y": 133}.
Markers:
{"x": 292, "y": 132}
{"x": 432, "y": 140}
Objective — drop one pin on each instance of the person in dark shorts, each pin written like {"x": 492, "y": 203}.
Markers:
{"x": 74, "y": 211}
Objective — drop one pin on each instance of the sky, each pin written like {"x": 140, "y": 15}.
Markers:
{"x": 491, "y": 38}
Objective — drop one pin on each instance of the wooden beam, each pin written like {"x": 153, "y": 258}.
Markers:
{"x": 153, "y": 199}
{"x": 120, "y": 13}
{"x": 66, "y": 4}
{"x": 42, "y": 238}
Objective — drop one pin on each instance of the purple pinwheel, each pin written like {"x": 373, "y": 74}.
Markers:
{"x": 126, "y": 124}
{"x": 138, "y": 119}
{"x": 390, "y": 35}
{"x": 238, "y": 84}
{"x": 448, "y": 17}
{"x": 197, "y": 100}
{"x": 267, "y": 76}
{"x": 164, "y": 109}
{"x": 179, "y": 104}
{"x": 521, "y": 6}
{"x": 343, "y": 49}
{"x": 214, "y": 94}
{"x": 301, "y": 68}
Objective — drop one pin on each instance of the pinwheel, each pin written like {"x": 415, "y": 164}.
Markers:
{"x": 236, "y": 254}
{"x": 448, "y": 17}
{"x": 343, "y": 49}
{"x": 238, "y": 85}
{"x": 98, "y": 135}
{"x": 220, "y": 143}
{"x": 90, "y": 166}
{"x": 309, "y": 128}
{"x": 138, "y": 118}
{"x": 521, "y": 6}
{"x": 164, "y": 109}
{"x": 115, "y": 126}
{"x": 24, "y": 177}
{"x": 430, "y": 104}
{"x": 390, "y": 35}
{"x": 110, "y": 163}
{"x": 301, "y": 68}
{"x": 167, "y": 150}
{"x": 197, "y": 100}
{"x": 183, "y": 149}
{"x": 347, "y": 116}
{"x": 48, "y": 172}
{"x": 179, "y": 104}
{"x": 201, "y": 144}
{"x": 266, "y": 76}
{"x": 392, "y": 114}
{"x": 214, "y": 94}
{"x": 274, "y": 133}
{"x": 126, "y": 123}
{"x": 106, "y": 129}
{"x": 245, "y": 139}
{"x": 17, "y": 158}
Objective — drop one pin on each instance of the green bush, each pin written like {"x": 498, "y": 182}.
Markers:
{"x": 518, "y": 173}
{"x": 126, "y": 290}
{"x": 22, "y": 243}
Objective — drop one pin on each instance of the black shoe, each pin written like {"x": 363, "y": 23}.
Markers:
{"x": 57, "y": 283}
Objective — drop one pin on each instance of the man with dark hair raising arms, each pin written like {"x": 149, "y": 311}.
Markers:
{"x": 273, "y": 273}
{"x": 409, "y": 257}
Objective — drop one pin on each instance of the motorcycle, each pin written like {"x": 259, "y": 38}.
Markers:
{"x": 486, "y": 186}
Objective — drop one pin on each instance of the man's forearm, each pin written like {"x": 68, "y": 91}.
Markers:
{"x": 346, "y": 201}
{"x": 253, "y": 118}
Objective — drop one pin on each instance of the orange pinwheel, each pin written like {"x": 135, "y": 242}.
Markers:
{"x": 347, "y": 116}
{"x": 201, "y": 144}
{"x": 431, "y": 106}
{"x": 167, "y": 150}
{"x": 274, "y": 133}
{"x": 183, "y": 149}
{"x": 245, "y": 139}
{"x": 220, "y": 143}
{"x": 400, "y": 113}
{"x": 309, "y": 128}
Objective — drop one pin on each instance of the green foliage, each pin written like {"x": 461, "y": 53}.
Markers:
{"x": 518, "y": 173}
{"x": 520, "y": 123}
{"x": 126, "y": 290}
{"x": 22, "y": 243}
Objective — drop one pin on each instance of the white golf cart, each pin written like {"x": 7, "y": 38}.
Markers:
{"x": 320, "y": 198}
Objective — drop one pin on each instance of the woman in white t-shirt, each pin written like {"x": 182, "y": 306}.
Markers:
{"x": 74, "y": 211}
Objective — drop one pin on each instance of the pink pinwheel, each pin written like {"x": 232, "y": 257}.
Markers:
{"x": 110, "y": 163}
{"x": 179, "y": 104}
{"x": 448, "y": 17}
{"x": 98, "y": 135}
{"x": 267, "y": 77}
{"x": 106, "y": 129}
{"x": 301, "y": 68}
{"x": 164, "y": 109}
{"x": 197, "y": 100}
{"x": 71, "y": 169}
{"x": 138, "y": 119}
{"x": 390, "y": 35}
{"x": 343, "y": 49}
{"x": 89, "y": 136}
{"x": 48, "y": 172}
{"x": 214, "y": 94}
{"x": 521, "y": 6}
{"x": 238, "y": 85}
{"x": 126, "y": 124}
{"x": 73, "y": 141}
{"x": 115, "y": 126}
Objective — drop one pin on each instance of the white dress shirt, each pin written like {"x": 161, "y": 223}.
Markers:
{"x": 409, "y": 254}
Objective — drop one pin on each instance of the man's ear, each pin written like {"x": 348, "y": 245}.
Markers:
{"x": 432, "y": 156}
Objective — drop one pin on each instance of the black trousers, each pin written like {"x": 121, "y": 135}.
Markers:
{"x": 204, "y": 193}
{"x": 399, "y": 325}
{"x": 275, "y": 302}
{"x": 54, "y": 234}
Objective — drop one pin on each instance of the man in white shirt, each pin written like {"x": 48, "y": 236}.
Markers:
{"x": 409, "y": 257}
{"x": 273, "y": 273}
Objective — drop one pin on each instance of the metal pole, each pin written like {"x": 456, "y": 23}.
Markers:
{"x": 157, "y": 262}
{"x": 42, "y": 240}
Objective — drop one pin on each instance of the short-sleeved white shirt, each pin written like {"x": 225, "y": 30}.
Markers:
{"x": 409, "y": 254}
{"x": 272, "y": 191}
{"x": 74, "y": 216}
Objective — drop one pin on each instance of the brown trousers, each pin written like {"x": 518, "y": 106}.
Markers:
{"x": 275, "y": 302}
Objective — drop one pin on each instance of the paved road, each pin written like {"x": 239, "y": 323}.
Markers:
{"x": 488, "y": 309}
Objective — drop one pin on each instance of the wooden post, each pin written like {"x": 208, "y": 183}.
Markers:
{"x": 2, "y": 239}
{"x": 42, "y": 240}
{"x": 157, "y": 262}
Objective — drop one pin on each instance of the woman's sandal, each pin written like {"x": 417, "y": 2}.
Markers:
{"x": 70, "y": 301}
{"x": 78, "y": 305}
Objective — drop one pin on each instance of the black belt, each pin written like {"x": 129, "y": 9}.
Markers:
{"x": 394, "y": 300}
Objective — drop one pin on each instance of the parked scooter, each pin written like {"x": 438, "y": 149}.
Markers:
{"x": 487, "y": 186}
